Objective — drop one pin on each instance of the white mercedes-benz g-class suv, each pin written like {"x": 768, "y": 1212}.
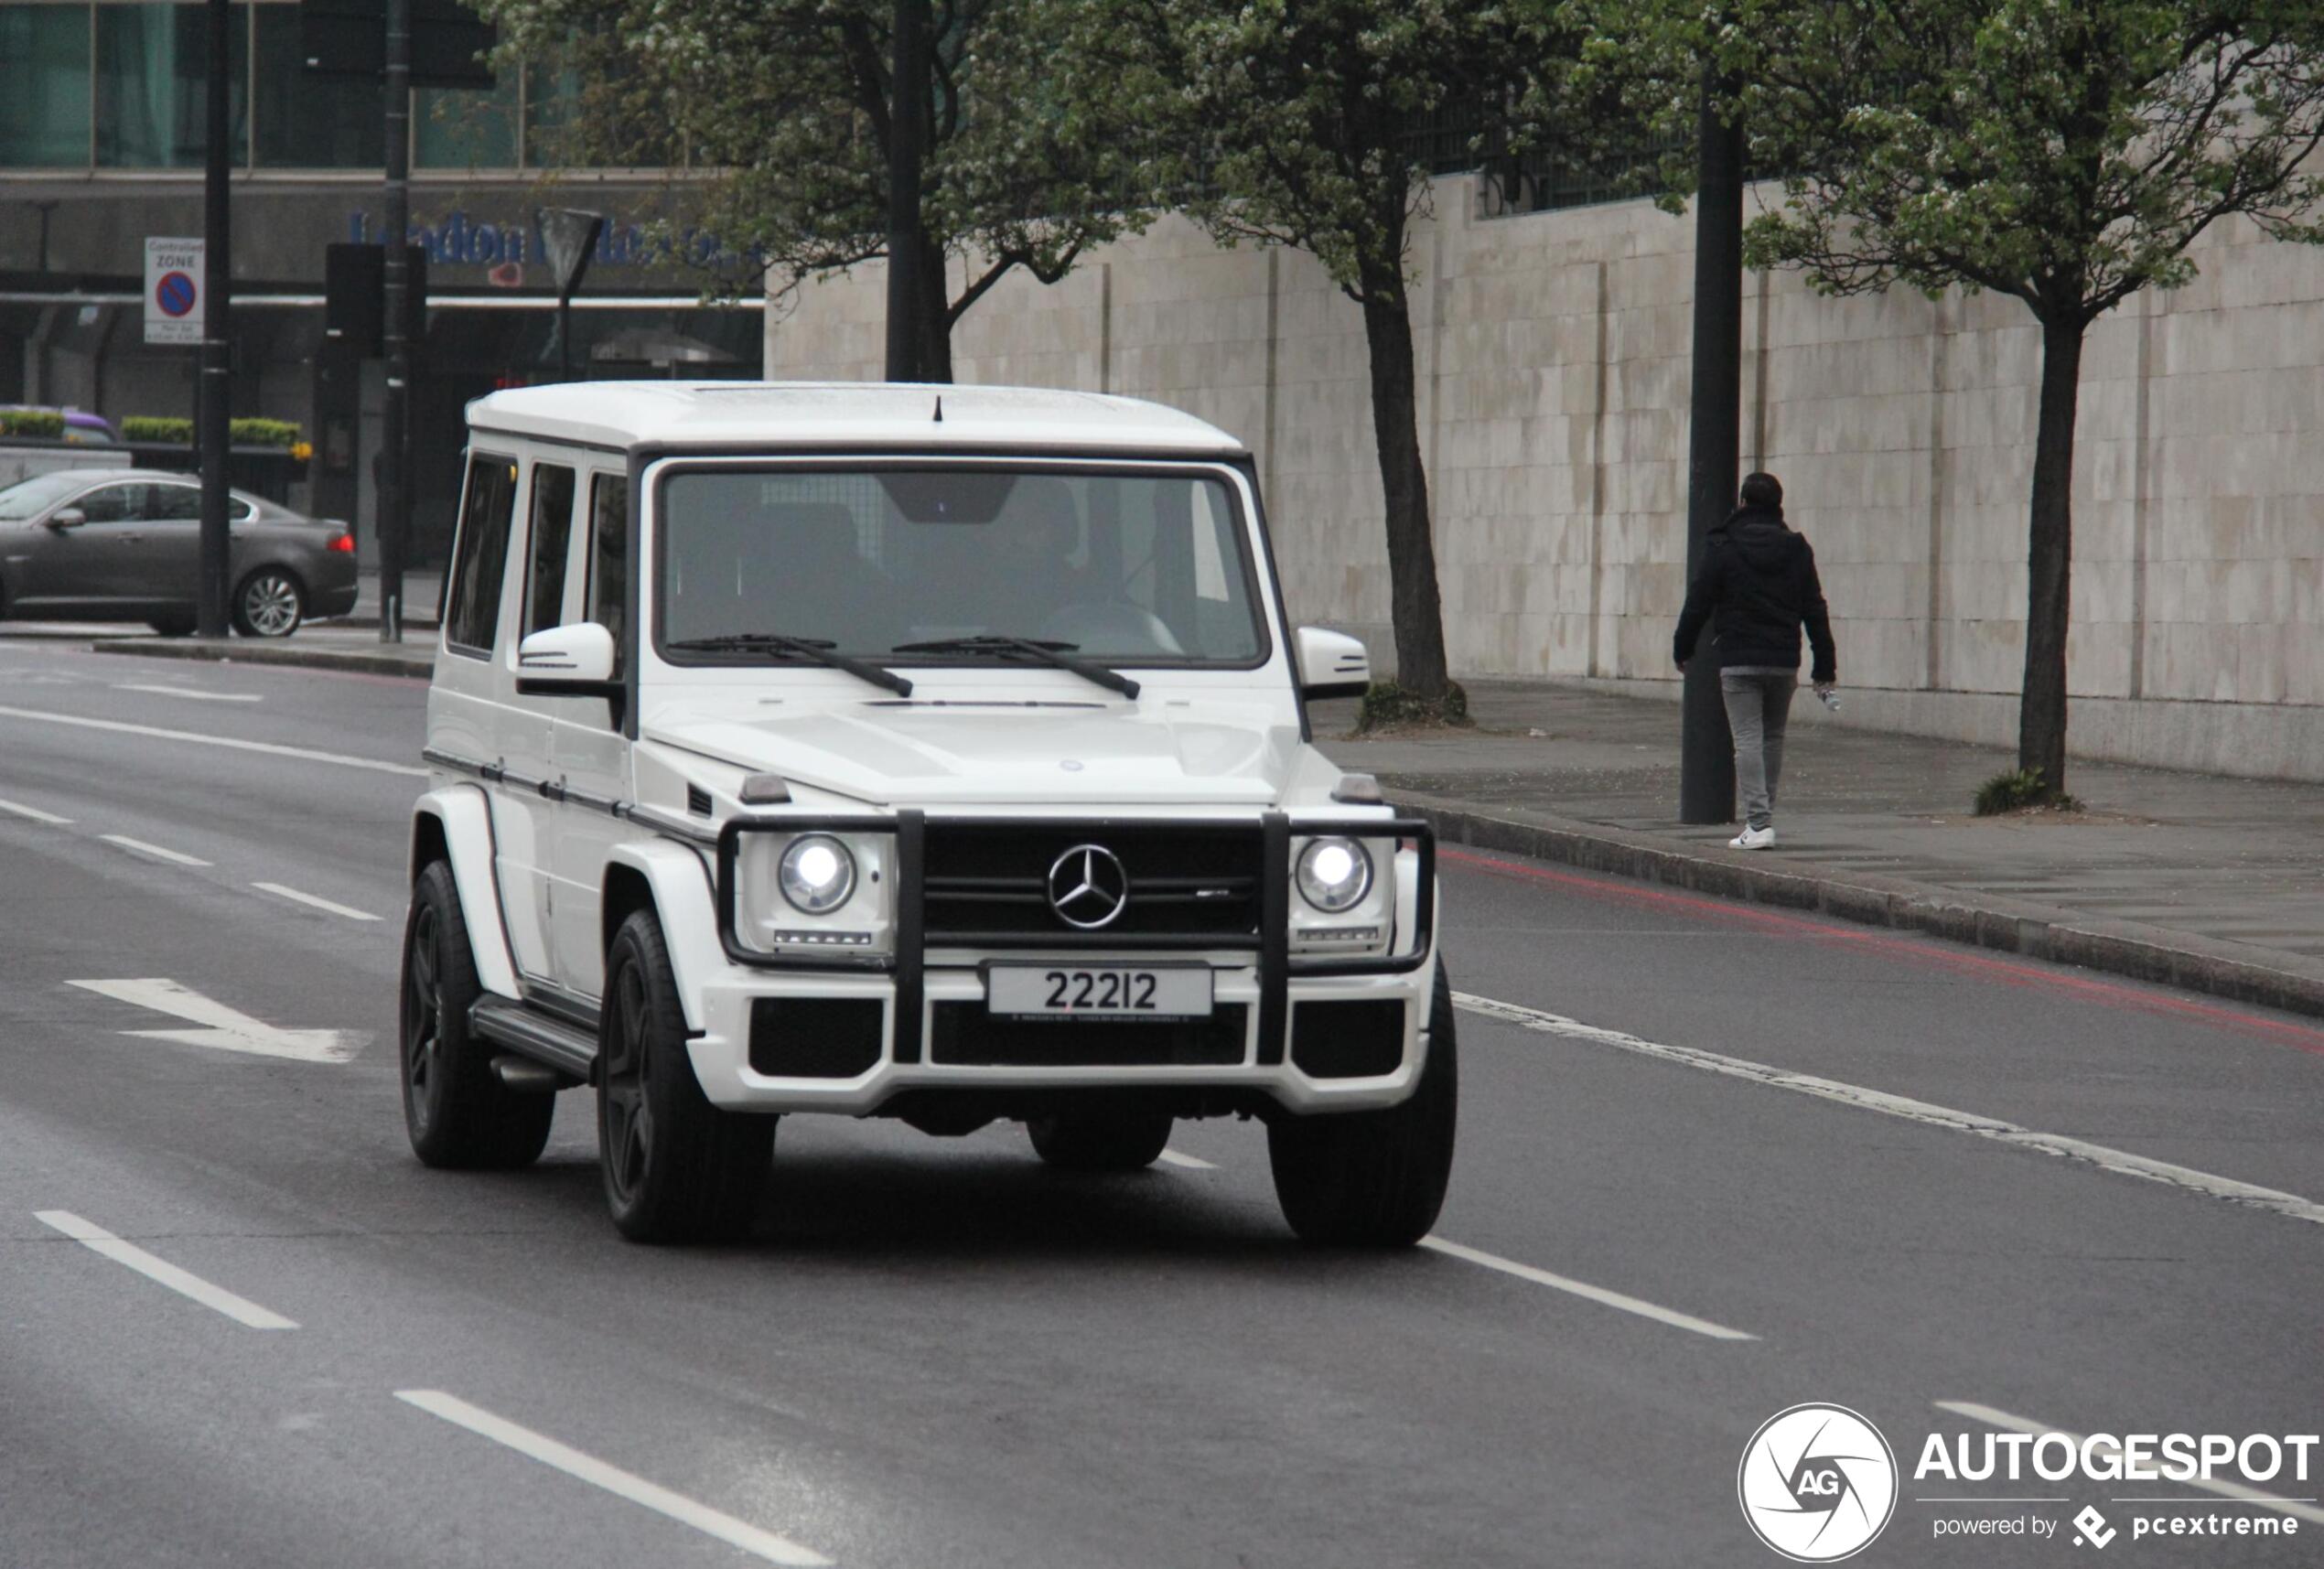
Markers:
{"x": 934, "y": 753}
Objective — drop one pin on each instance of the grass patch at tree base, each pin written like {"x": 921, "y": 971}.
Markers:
{"x": 1388, "y": 706}
{"x": 2021, "y": 790}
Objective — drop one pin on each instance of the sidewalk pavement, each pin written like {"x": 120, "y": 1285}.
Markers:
{"x": 319, "y": 645}
{"x": 422, "y": 599}
{"x": 2208, "y": 883}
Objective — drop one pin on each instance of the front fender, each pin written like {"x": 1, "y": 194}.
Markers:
{"x": 463, "y": 818}
{"x": 680, "y": 885}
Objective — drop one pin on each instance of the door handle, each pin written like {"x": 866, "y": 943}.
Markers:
{"x": 132, "y": 538}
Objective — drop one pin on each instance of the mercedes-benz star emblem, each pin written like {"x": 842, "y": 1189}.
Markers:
{"x": 1088, "y": 887}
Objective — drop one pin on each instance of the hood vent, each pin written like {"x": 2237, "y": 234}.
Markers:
{"x": 697, "y": 800}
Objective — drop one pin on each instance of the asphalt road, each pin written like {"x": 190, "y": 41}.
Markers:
{"x": 1715, "y": 1162}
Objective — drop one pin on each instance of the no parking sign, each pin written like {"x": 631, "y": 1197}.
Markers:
{"x": 173, "y": 291}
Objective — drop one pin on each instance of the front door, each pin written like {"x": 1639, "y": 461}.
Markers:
{"x": 90, "y": 567}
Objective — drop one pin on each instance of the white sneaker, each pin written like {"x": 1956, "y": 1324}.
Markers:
{"x": 1752, "y": 839}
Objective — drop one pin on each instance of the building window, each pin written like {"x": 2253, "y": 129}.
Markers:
{"x": 44, "y": 87}
{"x": 306, "y": 122}
{"x": 150, "y": 68}
{"x": 464, "y": 129}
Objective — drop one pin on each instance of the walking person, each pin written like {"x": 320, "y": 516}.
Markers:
{"x": 1757, "y": 587}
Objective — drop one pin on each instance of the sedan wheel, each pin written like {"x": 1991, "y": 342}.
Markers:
{"x": 271, "y": 605}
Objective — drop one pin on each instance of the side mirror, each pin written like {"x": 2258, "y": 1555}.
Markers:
{"x": 567, "y": 662}
{"x": 65, "y": 518}
{"x": 1332, "y": 664}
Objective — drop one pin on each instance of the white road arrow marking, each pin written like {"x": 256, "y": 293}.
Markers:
{"x": 224, "y": 1027}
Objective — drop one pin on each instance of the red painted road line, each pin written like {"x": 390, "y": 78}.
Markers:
{"x": 2301, "y": 1037}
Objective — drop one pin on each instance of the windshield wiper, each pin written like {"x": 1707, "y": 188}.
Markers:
{"x": 816, "y": 649}
{"x": 1047, "y": 652}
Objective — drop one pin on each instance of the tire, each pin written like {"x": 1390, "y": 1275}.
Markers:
{"x": 458, "y": 1113}
{"x": 1101, "y": 1140}
{"x": 173, "y": 626}
{"x": 271, "y": 603}
{"x": 1374, "y": 1179}
{"x": 676, "y": 1168}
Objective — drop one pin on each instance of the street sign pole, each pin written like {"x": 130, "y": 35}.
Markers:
{"x": 394, "y": 500}
{"x": 1707, "y": 757}
{"x": 217, "y": 356}
{"x": 569, "y": 235}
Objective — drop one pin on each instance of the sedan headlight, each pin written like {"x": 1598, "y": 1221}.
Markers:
{"x": 817, "y": 874}
{"x": 1334, "y": 874}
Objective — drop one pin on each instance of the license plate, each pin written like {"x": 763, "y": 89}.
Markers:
{"x": 1098, "y": 991}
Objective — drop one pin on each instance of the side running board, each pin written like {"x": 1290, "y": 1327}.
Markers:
{"x": 532, "y": 1034}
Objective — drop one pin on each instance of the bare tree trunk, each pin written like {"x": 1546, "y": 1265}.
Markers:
{"x": 906, "y": 149}
{"x": 1416, "y": 612}
{"x": 936, "y": 317}
{"x": 2041, "y": 713}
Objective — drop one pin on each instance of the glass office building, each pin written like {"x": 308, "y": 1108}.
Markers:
{"x": 103, "y": 119}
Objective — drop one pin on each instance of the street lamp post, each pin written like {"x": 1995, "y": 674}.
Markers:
{"x": 394, "y": 487}
{"x": 1706, "y": 758}
{"x": 210, "y": 607}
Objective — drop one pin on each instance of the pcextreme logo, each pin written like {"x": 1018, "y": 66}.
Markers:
{"x": 1818, "y": 1483}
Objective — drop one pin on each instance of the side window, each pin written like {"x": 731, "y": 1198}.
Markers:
{"x": 114, "y": 504}
{"x": 608, "y": 598}
{"x": 552, "y": 541}
{"x": 481, "y": 556}
{"x": 182, "y": 503}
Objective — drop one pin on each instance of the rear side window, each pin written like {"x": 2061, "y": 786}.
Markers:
{"x": 482, "y": 554}
{"x": 610, "y": 557}
{"x": 551, "y": 542}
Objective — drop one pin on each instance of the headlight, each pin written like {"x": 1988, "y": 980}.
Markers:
{"x": 1334, "y": 874}
{"x": 817, "y": 874}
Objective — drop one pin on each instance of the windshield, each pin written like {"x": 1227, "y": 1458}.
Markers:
{"x": 30, "y": 498}
{"x": 1148, "y": 566}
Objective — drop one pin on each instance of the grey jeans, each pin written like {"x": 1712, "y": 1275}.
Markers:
{"x": 1758, "y": 705}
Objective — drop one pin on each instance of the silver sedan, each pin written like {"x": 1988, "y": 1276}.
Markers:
{"x": 124, "y": 544}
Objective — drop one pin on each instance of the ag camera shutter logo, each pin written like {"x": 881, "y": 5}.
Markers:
{"x": 1817, "y": 1483}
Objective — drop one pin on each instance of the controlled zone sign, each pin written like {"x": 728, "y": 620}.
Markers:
{"x": 173, "y": 291}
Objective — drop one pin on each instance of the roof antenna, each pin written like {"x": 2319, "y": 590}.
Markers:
{"x": 940, "y": 408}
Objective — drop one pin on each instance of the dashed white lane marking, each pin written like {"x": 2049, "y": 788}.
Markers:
{"x": 2120, "y": 1162}
{"x": 97, "y": 1240}
{"x": 2240, "y": 1491}
{"x": 739, "y": 1533}
{"x": 270, "y": 749}
{"x": 158, "y": 852}
{"x": 193, "y": 691}
{"x": 1566, "y": 1283}
{"x": 228, "y": 1029}
{"x": 35, "y": 813}
{"x": 293, "y": 893}
{"x": 1583, "y": 1289}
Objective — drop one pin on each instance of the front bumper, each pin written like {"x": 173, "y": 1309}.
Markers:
{"x": 1308, "y": 1033}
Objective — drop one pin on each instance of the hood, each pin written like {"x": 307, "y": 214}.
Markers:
{"x": 1759, "y": 537}
{"x": 938, "y": 754}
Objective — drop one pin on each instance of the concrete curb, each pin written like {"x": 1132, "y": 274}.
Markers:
{"x": 248, "y": 651}
{"x": 2242, "y": 973}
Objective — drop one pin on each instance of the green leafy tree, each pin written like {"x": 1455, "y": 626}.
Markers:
{"x": 780, "y": 116}
{"x": 1296, "y": 122}
{"x": 2067, "y": 153}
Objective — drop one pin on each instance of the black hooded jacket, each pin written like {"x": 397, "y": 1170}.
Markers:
{"x": 1757, "y": 588}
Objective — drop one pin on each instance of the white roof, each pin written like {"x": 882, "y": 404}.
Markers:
{"x": 783, "y": 415}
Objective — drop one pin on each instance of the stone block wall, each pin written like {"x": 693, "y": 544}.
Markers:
{"x": 1553, "y": 359}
